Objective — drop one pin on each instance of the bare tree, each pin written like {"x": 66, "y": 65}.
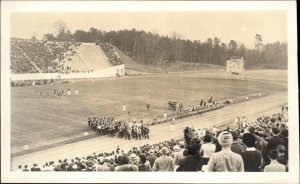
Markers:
{"x": 60, "y": 27}
{"x": 258, "y": 42}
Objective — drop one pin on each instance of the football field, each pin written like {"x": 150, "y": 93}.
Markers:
{"x": 45, "y": 122}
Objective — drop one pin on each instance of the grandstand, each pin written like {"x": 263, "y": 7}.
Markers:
{"x": 35, "y": 56}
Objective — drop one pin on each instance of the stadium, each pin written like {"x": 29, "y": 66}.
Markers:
{"x": 133, "y": 100}
{"x": 60, "y": 123}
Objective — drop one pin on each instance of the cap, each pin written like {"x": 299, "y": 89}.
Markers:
{"x": 132, "y": 155}
{"x": 164, "y": 150}
{"x": 225, "y": 138}
{"x": 151, "y": 151}
{"x": 176, "y": 148}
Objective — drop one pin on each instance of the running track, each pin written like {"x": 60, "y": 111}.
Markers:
{"x": 250, "y": 109}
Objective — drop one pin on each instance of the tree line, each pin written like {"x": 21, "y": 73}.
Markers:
{"x": 161, "y": 50}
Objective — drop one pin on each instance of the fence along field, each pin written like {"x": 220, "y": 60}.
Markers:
{"x": 51, "y": 120}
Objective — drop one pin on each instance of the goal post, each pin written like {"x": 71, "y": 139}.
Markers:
{"x": 235, "y": 66}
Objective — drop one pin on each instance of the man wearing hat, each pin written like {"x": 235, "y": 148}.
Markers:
{"x": 178, "y": 153}
{"x": 132, "y": 159}
{"x": 236, "y": 146}
{"x": 151, "y": 158}
{"x": 165, "y": 162}
{"x": 273, "y": 142}
{"x": 225, "y": 160}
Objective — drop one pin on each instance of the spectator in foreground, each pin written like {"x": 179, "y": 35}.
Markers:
{"x": 274, "y": 166}
{"x": 225, "y": 160}
{"x": 192, "y": 161}
{"x": 102, "y": 166}
{"x": 26, "y": 168}
{"x": 236, "y": 147}
{"x": 207, "y": 149}
{"x": 281, "y": 154}
{"x": 151, "y": 158}
{"x": 35, "y": 167}
{"x": 165, "y": 162}
{"x": 273, "y": 142}
{"x": 178, "y": 155}
{"x": 252, "y": 157}
{"x": 143, "y": 163}
{"x": 125, "y": 165}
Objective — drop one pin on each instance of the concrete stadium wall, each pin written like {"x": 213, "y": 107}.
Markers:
{"x": 106, "y": 72}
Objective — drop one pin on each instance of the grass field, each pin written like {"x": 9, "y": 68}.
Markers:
{"x": 38, "y": 121}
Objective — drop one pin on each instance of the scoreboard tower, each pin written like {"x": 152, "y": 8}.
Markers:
{"x": 235, "y": 66}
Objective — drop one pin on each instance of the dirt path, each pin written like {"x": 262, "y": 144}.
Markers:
{"x": 250, "y": 109}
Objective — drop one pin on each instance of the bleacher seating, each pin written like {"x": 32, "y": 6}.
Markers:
{"x": 19, "y": 62}
{"x": 28, "y": 56}
{"x": 111, "y": 54}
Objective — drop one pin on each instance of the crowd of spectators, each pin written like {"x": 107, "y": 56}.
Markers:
{"x": 19, "y": 61}
{"x": 111, "y": 54}
{"x": 33, "y": 56}
{"x": 39, "y": 54}
{"x": 47, "y": 56}
{"x": 256, "y": 146}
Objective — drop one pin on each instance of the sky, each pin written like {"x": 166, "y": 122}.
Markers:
{"x": 194, "y": 25}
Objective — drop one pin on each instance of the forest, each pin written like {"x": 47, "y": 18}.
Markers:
{"x": 161, "y": 50}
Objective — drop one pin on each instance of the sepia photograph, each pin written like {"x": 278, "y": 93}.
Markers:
{"x": 142, "y": 91}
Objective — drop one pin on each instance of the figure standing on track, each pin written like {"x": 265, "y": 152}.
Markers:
{"x": 237, "y": 122}
{"x": 69, "y": 92}
{"x": 172, "y": 125}
{"x": 124, "y": 108}
{"x": 201, "y": 102}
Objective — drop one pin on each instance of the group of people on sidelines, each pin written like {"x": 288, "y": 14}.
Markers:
{"x": 121, "y": 128}
{"x": 198, "y": 109}
{"x": 174, "y": 105}
{"x": 57, "y": 93}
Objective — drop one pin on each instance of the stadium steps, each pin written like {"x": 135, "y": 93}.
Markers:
{"x": 93, "y": 56}
{"x": 88, "y": 56}
{"x": 76, "y": 63}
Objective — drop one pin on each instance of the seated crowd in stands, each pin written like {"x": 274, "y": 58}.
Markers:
{"x": 19, "y": 62}
{"x": 121, "y": 128}
{"x": 39, "y": 54}
{"x": 252, "y": 148}
{"x": 32, "y": 56}
{"x": 111, "y": 54}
